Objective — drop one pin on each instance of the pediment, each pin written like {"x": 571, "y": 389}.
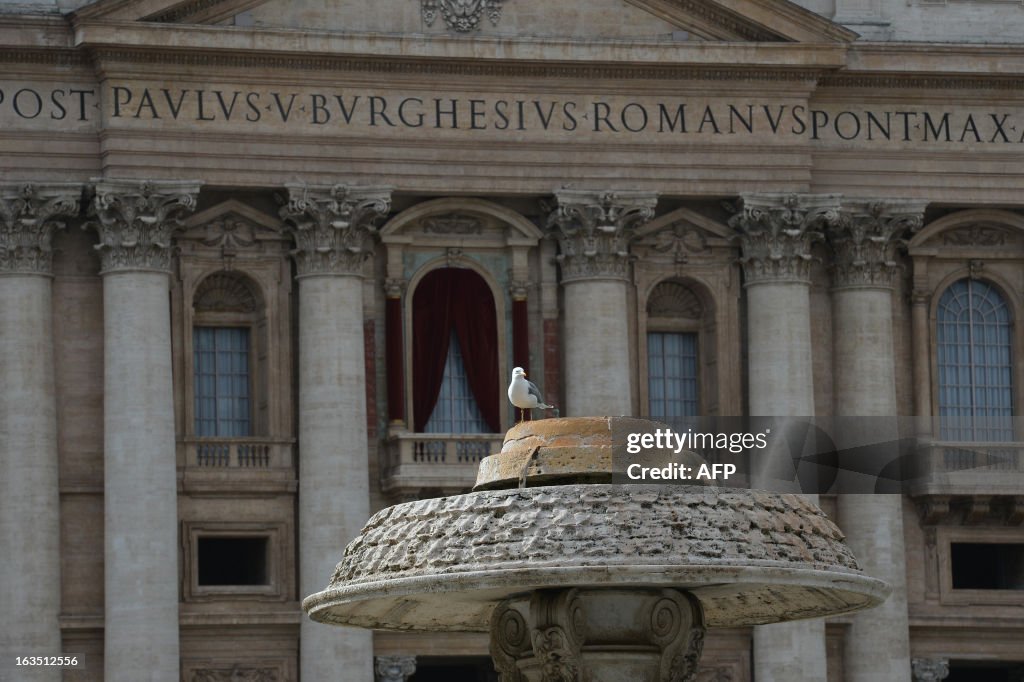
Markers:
{"x": 661, "y": 20}
{"x": 681, "y": 236}
{"x": 231, "y": 225}
{"x": 976, "y": 230}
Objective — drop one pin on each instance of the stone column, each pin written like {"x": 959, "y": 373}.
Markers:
{"x": 135, "y": 221}
{"x": 594, "y": 230}
{"x": 394, "y": 668}
{"x": 30, "y": 522}
{"x": 864, "y": 244}
{"x": 776, "y": 232}
{"x": 930, "y": 669}
{"x": 333, "y": 229}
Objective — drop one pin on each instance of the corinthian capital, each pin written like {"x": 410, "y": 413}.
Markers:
{"x": 28, "y": 216}
{"x": 594, "y": 231}
{"x": 135, "y": 220}
{"x": 865, "y": 239}
{"x": 776, "y": 232}
{"x": 334, "y": 226}
{"x": 930, "y": 669}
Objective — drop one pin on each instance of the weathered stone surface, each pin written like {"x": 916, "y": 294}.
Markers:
{"x": 750, "y": 557}
{"x": 569, "y": 450}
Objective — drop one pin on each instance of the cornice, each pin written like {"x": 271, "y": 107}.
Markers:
{"x": 171, "y": 38}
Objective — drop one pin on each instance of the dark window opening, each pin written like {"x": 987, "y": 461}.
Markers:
{"x": 454, "y": 669}
{"x": 987, "y": 566}
{"x": 232, "y": 561}
{"x": 985, "y": 671}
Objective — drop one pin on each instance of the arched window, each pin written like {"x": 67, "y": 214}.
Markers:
{"x": 677, "y": 332}
{"x": 455, "y": 354}
{"x": 228, "y": 310}
{"x": 974, "y": 363}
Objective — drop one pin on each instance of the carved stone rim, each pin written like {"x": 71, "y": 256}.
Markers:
{"x": 412, "y": 602}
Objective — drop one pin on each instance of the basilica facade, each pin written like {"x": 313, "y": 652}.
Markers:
{"x": 266, "y": 267}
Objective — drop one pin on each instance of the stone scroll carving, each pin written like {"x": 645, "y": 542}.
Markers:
{"x": 334, "y": 227}
{"x": 29, "y": 214}
{"x": 135, "y": 220}
{"x": 594, "y": 231}
{"x": 866, "y": 237}
{"x": 461, "y": 15}
{"x": 394, "y": 668}
{"x": 564, "y": 635}
{"x": 776, "y": 232}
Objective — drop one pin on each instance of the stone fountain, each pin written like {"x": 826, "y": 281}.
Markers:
{"x": 579, "y": 579}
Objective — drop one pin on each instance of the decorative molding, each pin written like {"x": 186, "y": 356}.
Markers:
{"x": 865, "y": 239}
{"x": 334, "y": 226}
{"x": 976, "y": 235}
{"x": 776, "y": 232}
{"x": 236, "y": 674}
{"x": 182, "y": 11}
{"x": 929, "y": 669}
{"x": 225, "y": 292}
{"x": 594, "y": 230}
{"x": 902, "y": 82}
{"x": 723, "y": 674}
{"x": 730, "y": 25}
{"x": 674, "y": 299}
{"x": 519, "y": 289}
{"x": 557, "y": 633}
{"x": 483, "y": 68}
{"x": 461, "y": 15}
{"x": 452, "y": 224}
{"x": 29, "y": 214}
{"x": 393, "y": 668}
{"x": 45, "y": 55}
{"x": 394, "y": 287}
{"x": 679, "y": 240}
{"x": 135, "y": 220}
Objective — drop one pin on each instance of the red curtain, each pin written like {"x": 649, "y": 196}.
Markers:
{"x": 459, "y": 299}
{"x": 394, "y": 349}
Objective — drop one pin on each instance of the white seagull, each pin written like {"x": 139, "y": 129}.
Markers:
{"x": 524, "y": 394}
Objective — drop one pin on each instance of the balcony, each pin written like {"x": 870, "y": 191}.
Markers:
{"x": 255, "y": 463}
{"x": 964, "y": 468}
{"x": 443, "y": 462}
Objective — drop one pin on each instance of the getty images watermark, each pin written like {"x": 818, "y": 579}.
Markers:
{"x": 823, "y": 455}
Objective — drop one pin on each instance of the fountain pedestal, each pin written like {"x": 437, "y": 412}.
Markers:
{"x": 578, "y": 579}
{"x": 607, "y": 635}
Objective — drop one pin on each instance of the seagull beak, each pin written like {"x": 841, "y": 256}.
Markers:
{"x": 524, "y": 374}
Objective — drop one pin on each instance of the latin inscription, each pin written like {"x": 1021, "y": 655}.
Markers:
{"x": 118, "y": 105}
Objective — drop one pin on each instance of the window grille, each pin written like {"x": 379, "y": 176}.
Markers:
{"x": 221, "y": 364}
{"x": 672, "y": 376}
{"x": 974, "y": 363}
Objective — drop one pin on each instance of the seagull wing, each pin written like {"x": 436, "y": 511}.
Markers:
{"x": 534, "y": 391}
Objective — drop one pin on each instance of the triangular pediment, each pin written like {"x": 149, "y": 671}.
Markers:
{"x": 664, "y": 20}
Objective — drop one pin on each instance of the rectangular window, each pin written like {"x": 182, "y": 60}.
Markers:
{"x": 222, "y": 399}
{"x": 987, "y": 566}
{"x": 672, "y": 375}
{"x": 232, "y": 561}
{"x": 456, "y": 410}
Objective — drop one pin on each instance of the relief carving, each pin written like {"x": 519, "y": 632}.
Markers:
{"x": 334, "y": 227}
{"x": 453, "y": 223}
{"x": 28, "y": 216}
{"x": 674, "y": 299}
{"x": 594, "y": 231}
{"x": 679, "y": 241}
{"x": 461, "y": 15}
{"x": 135, "y": 221}
{"x": 236, "y": 674}
{"x": 776, "y": 232}
{"x": 975, "y": 235}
